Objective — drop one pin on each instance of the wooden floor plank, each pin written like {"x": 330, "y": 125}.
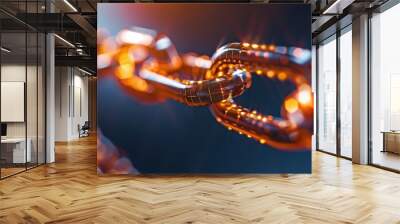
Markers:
{"x": 69, "y": 191}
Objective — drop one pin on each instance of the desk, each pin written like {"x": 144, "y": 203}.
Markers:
{"x": 391, "y": 141}
{"x": 13, "y": 150}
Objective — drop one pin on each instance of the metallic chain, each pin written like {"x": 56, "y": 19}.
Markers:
{"x": 147, "y": 65}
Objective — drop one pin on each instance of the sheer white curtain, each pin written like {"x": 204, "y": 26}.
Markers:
{"x": 327, "y": 96}
{"x": 346, "y": 94}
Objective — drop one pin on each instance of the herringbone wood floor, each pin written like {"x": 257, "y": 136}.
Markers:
{"x": 70, "y": 191}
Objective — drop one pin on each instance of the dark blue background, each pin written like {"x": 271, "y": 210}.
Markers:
{"x": 174, "y": 138}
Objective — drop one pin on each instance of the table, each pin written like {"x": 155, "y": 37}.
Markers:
{"x": 13, "y": 150}
{"x": 391, "y": 141}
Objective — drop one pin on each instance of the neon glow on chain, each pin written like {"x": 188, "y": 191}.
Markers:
{"x": 147, "y": 65}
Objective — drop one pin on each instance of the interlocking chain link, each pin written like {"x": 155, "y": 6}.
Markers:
{"x": 147, "y": 65}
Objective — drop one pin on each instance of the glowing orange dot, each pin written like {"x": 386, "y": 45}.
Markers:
{"x": 291, "y": 105}
{"x": 271, "y": 47}
{"x": 304, "y": 97}
{"x": 259, "y": 72}
{"x": 137, "y": 84}
{"x": 141, "y": 85}
{"x": 246, "y": 44}
{"x": 125, "y": 71}
{"x": 262, "y": 141}
{"x": 282, "y": 76}
{"x": 270, "y": 74}
{"x": 125, "y": 59}
{"x": 255, "y": 46}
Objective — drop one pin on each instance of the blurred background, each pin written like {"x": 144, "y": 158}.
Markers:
{"x": 173, "y": 138}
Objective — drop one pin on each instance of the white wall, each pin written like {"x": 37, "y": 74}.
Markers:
{"x": 12, "y": 73}
{"x": 71, "y": 102}
{"x": 80, "y": 110}
{"x": 16, "y": 73}
{"x": 61, "y": 103}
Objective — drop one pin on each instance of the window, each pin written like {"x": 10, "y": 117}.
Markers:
{"x": 385, "y": 89}
{"x": 346, "y": 93}
{"x": 22, "y": 91}
{"x": 327, "y": 96}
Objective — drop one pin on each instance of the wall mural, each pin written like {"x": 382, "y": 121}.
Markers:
{"x": 204, "y": 88}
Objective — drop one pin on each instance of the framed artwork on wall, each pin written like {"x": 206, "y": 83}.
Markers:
{"x": 190, "y": 88}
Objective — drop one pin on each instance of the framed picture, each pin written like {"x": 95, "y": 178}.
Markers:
{"x": 204, "y": 88}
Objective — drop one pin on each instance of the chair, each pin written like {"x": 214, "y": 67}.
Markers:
{"x": 84, "y": 130}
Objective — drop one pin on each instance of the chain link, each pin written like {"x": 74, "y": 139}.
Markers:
{"x": 147, "y": 65}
